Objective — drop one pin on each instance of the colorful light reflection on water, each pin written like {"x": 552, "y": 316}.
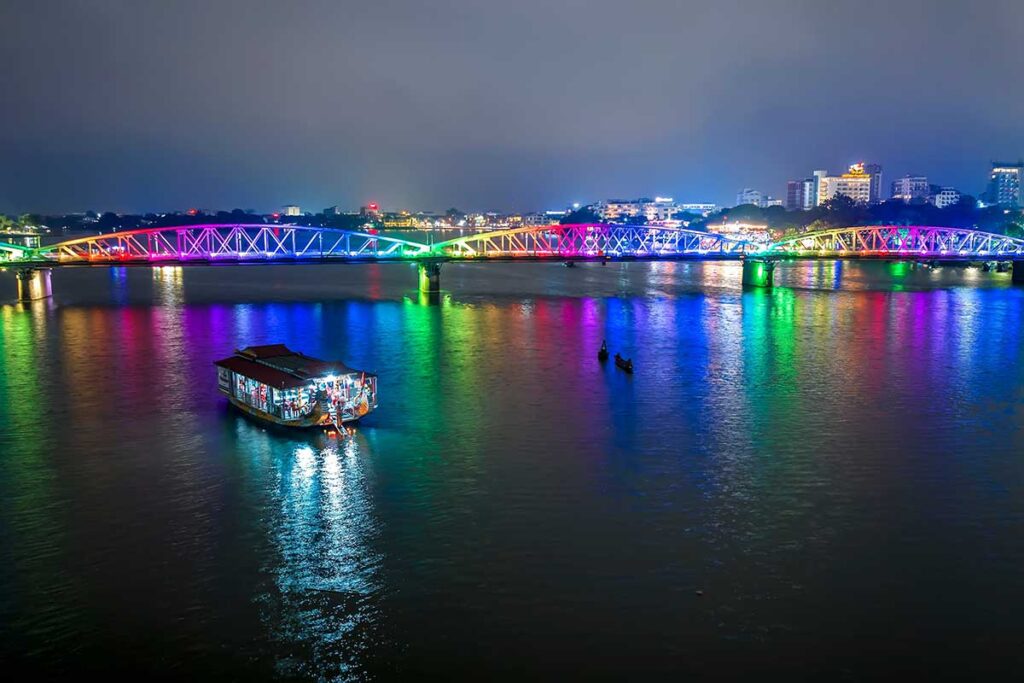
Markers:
{"x": 834, "y": 462}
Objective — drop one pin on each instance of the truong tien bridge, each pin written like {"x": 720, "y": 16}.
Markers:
{"x": 249, "y": 244}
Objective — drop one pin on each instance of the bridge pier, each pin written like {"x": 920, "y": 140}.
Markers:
{"x": 1018, "y": 272}
{"x": 430, "y": 277}
{"x": 758, "y": 272}
{"x": 34, "y": 283}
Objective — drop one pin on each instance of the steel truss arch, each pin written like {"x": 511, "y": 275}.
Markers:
{"x": 12, "y": 252}
{"x": 592, "y": 240}
{"x": 898, "y": 241}
{"x": 228, "y": 243}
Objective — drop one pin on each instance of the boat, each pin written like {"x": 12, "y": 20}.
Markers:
{"x": 624, "y": 363}
{"x": 602, "y": 354}
{"x": 283, "y": 387}
{"x": 569, "y": 264}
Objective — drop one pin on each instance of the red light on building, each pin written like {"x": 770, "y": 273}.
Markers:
{"x": 193, "y": 212}
{"x": 373, "y": 206}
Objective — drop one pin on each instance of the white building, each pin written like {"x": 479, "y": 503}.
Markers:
{"x": 749, "y": 196}
{"x": 292, "y": 210}
{"x": 910, "y": 187}
{"x": 855, "y": 184}
{"x": 616, "y": 209}
{"x": 655, "y": 210}
{"x": 1004, "y": 184}
{"x": 800, "y": 194}
{"x": 697, "y": 207}
{"x": 947, "y": 196}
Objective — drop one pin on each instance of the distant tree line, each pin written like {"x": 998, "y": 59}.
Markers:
{"x": 844, "y": 212}
{"x": 111, "y": 222}
{"x": 835, "y": 213}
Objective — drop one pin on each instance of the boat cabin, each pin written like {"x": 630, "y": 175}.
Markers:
{"x": 287, "y": 387}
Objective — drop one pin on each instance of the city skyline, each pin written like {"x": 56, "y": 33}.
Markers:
{"x": 886, "y": 189}
{"x": 149, "y": 108}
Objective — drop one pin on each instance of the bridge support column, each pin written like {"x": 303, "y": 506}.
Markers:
{"x": 33, "y": 283}
{"x": 1018, "y": 272}
{"x": 430, "y": 277}
{"x": 758, "y": 273}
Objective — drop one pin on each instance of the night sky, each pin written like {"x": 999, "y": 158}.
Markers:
{"x": 516, "y": 105}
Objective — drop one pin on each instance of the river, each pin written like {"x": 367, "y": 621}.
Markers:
{"x": 826, "y": 478}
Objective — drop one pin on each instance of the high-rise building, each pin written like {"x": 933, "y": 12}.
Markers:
{"x": 1004, "y": 184}
{"x": 855, "y": 184}
{"x": 801, "y": 194}
{"x": 748, "y": 196}
{"x": 292, "y": 210}
{"x": 910, "y": 187}
{"x": 947, "y": 196}
{"x": 875, "y": 171}
{"x": 820, "y": 176}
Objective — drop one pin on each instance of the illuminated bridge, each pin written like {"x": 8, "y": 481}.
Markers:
{"x": 888, "y": 242}
{"x": 245, "y": 244}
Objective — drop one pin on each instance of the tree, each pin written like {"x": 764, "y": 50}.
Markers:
{"x": 28, "y": 220}
{"x": 1015, "y": 229}
{"x": 840, "y": 211}
{"x": 108, "y": 221}
{"x": 584, "y": 214}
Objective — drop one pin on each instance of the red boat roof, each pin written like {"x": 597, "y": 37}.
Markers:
{"x": 261, "y": 373}
{"x": 265, "y": 351}
{"x": 278, "y": 366}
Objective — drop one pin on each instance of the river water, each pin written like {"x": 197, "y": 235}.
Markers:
{"x": 822, "y": 479}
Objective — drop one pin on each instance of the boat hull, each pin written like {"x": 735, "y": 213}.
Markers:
{"x": 315, "y": 420}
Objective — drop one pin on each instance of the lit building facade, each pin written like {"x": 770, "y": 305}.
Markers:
{"x": 875, "y": 171}
{"x": 697, "y": 207}
{"x": 616, "y": 209}
{"x": 801, "y": 195}
{"x": 292, "y": 210}
{"x": 910, "y": 187}
{"x": 655, "y": 210}
{"x": 947, "y": 196}
{"x": 402, "y": 219}
{"x": 739, "y": 230}
{"x": 1004, "y": 184}
{"x": 748, "y": 196}
{"x": 856, "y": 184}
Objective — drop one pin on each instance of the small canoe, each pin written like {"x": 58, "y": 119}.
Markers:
{"x": 625, "y": 364}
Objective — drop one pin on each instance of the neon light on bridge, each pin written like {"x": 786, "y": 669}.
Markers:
{"x": 284, "y": 243}
{"x": 298, "y": 244}
{"x": 887, "y": 241}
